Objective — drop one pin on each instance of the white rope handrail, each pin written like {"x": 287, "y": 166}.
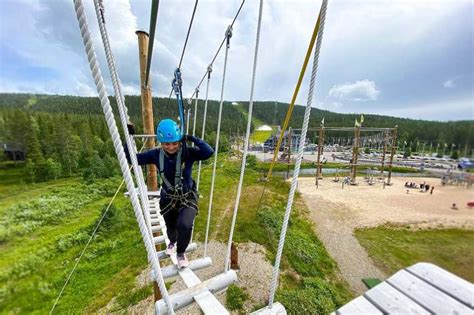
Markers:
{"x": 209, "y": 70}
{"x": 247, "y": 137}
{"x": 109, "y": 117}
{"x": 294, "y": 180}
{"x": 216, "y": 151}
{"x": 195, "y": 113}
{"x": 123, "y": 113}
{"x": 188, "y": 113}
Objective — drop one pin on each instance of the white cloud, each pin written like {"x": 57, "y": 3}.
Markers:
{"x": 374, "y": 32}
{"x": 130, "y": 90}
{"x": 363, "y": 90}
{"x": 449, "y": 84}
{"x": 85, "y": 90}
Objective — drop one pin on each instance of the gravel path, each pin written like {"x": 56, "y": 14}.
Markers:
{"x": 338, "y": 212}
{"x": 254, "y": 275}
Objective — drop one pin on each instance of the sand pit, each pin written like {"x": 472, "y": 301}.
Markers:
{"x": 337, "y": 212}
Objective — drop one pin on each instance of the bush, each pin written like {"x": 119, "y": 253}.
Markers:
{"x": 251, "y": 161}
{"x": 235, "y": 298}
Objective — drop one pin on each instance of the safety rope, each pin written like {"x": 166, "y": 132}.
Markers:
{"x": 195, "y": 113}
{"x": 185, "y": 41}
{"x": 123, "y": 113}
{"x": 85, "y": 247}
{"x": 247, "y": 137}
{"x": 216, "y": 151}
{"x": 154, "y": 16}
{"x": 218, "y": 49}
{"x": 209, "y": 70}
{"x": 109, "y": 117}
{"x": 294, "y": 182}
{"x": 187, "y": 34}
{"x": 88, "y": 242}
{"x": 290, "y": 110}
{"x": 188, "y": 113}
{"x": 293, "y": 100}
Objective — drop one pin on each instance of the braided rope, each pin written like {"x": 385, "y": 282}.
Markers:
{"x": 209, "y": 70}
{"x": 247, "y": 137}
{"x": 109, "y": 117}
{"x": 195, "y": 114}
{"x": 294, "y": 180}
{"x": 228, "y": 35}
{"x": 123, "y": 113}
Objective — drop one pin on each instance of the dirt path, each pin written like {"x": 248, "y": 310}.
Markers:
{"x": 338, "y": 212}
{"x": 254, "y": 275}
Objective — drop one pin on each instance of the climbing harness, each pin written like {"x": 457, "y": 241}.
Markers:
{"x": 175, "y": 193}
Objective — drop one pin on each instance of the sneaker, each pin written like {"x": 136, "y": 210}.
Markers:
{"x": 183, "y": 261}
{"x": 170, "y": 248}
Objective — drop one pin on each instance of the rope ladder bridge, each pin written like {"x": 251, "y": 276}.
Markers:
{"x": 146, "y": 203}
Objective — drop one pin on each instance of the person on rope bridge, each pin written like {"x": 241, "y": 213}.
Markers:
{"x": 179, "y": 197}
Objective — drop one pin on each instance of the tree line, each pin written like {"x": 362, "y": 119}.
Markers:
{"x": 67, "y": 135}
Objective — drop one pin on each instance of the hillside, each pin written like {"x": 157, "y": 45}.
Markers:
{"x": 268, "y": 112}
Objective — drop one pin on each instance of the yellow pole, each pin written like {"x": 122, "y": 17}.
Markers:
{"x": 295, "y": 94}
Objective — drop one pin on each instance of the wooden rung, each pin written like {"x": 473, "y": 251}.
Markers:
{"x": 159, "y": 239}
{"x": 172, "y": 270}
{"x": 186, "y": 296}
{"x": 155, "y": 221}
{"x": 276, "y": 308}
{"x": 162, "y": 253}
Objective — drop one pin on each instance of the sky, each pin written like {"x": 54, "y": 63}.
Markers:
{"x": 401, "y": 58}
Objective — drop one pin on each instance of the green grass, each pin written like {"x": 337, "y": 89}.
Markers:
{"x": 393, "y": 248}
{"x": 235, "y": 297}
{"x": 45, "y": 227}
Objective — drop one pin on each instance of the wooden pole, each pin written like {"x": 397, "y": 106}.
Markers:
{"x": 147, "y": 108}
{"x": 385, "y": 138}
{"x": 393, "y": 150}
{"x": 148, "y": 128}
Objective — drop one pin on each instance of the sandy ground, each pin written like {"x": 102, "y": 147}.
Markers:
{"x": 337, "y": 212}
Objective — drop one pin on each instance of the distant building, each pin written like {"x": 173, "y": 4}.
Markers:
{"x": 271, "y": 142}
{"x": 264, "y": 128}
{"x": 13, "y": 152}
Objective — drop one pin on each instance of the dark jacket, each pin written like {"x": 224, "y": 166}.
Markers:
{"x": 201, "y": 151}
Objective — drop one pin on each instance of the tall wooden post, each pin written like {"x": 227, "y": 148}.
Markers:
{"x": 393, "y": 150}
{"x": 148, "y": 128}
{"x": 147, "y": 109}
{"x": 385, "y": 138}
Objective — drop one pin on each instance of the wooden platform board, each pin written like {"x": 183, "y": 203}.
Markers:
{"x": 419, "y": 289}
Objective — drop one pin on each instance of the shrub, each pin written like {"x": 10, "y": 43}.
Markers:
{"x": 235, "y": 298}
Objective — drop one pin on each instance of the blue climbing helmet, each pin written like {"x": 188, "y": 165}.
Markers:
{"x": 168, "y": 131}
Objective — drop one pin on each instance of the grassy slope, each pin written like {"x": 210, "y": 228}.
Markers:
{"x": 34, "y": 265}
{"x": 37, "y": 263}
{"x": 395, "y": 248}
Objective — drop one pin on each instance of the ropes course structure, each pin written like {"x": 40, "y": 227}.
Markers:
{"x": 146, "y": 204}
